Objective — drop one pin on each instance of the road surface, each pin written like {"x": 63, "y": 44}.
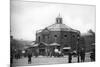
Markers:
{"x": 41, "y": 60}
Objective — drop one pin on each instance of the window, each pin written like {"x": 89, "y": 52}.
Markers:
{"x": 73, "y": 35}
{"x": 65, "y": 35}
{"x": 55, "y": 35}
{"x": 39, "y": 38}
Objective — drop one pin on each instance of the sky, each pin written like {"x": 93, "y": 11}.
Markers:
{"x": 28, "y": 16}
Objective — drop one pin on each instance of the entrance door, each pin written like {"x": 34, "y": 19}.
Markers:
{"x": 42, "y": 51}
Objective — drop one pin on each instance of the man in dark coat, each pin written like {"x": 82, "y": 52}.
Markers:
{"x": 92, "y": 55}
{"x": 70, "y": 58}
{"x": 82, "y": 55}
{"x": 11, "y": 60}
{"x": 29, "y": 58}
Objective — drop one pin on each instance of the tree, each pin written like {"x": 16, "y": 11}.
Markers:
{"x": 92, "y": 32}
{"x": 93, "y": 35}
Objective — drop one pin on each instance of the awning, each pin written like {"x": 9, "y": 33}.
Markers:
{"x": 67, "y": 48}
{"x": 35, "y": 45}
{"x": 54, "y": 44}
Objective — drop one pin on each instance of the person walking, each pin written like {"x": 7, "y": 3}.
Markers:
{"x": 11, "y": 60}
{"x": 92, "y": 55}
{"x": 70, "y": 57}
{"x": 82, "y": 55}
{"x": 29, "y": 58}
{"x": 56, "y": 52}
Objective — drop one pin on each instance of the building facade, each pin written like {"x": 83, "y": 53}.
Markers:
{"x": 58, "y": 33}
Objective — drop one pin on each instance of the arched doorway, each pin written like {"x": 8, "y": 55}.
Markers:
{"x": 42, "y": 49}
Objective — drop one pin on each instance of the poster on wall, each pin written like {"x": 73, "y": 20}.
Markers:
{"x": 43, "y": 33}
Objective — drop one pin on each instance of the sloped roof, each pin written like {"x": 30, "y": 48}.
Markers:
{"x": 37, "y": 44}
{"x": 86, "y": 34}
{"x": 60, "y": 27}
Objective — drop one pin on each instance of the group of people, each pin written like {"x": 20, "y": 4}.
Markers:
{"x": 82, "y": 56}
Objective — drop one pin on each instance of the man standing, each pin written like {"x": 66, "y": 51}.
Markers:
{"x": 92, "y": 55}
{"x": 29, "y": 58}
{"x": 70, "y": 58}
{"x": 82, "y": 55}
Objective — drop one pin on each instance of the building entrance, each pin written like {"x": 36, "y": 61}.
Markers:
{"x": 42, "y": 51}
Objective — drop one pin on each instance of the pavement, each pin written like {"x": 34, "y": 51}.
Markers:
{"x": 44, "y": 60}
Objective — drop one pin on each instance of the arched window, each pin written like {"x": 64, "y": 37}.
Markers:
{"x": 55, "y": 38}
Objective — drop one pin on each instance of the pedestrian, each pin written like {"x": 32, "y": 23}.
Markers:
{"x": 29, "y": 58}
{"x": 92, "y": 55}
{"x": 82, "y": 55}
{"x": 56, "y": 52}
{"x": 70, "y": 57}
{"x": 11, "y": 59}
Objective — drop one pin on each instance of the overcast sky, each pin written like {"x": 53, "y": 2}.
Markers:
{"x": 27, "y": 17}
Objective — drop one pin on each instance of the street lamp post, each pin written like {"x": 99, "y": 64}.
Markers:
{"x": 78, "y": 37}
